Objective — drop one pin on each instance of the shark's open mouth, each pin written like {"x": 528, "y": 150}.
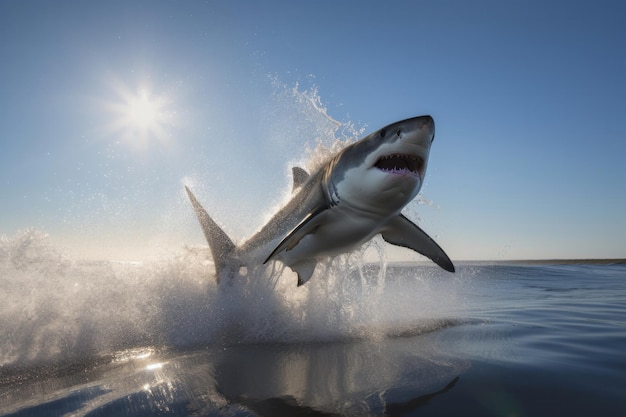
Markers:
{"x": 400, "y": 164}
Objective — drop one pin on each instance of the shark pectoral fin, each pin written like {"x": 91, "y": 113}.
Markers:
{"x": 304, "y": 270}
{"x": 306, "y": 226}
{"x": 401, "y": 231}
{"x": 300, "y": 176}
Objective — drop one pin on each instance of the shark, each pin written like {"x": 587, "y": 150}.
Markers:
{"x": 357, "y": 194}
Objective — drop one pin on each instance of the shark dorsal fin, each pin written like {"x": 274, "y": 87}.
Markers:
{"x": 300, "y": 176}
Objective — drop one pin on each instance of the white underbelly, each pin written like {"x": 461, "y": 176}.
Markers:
{"x": 344, "y": 233}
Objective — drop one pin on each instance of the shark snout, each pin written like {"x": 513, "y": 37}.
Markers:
{"x": 414, "y": 130}
{"x": 417, "y": 130}
{"x": 425, "y": 124}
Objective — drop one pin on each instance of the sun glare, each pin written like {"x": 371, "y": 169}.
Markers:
{"x": 142, "y": 112}
{"x": 141, "y": 117}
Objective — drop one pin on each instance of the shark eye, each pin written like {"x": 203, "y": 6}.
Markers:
{"x": 383, "y": 133}
{"x": 399, "y": 132}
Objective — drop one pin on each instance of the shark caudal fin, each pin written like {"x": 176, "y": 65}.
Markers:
{"x": 219, "y": 242}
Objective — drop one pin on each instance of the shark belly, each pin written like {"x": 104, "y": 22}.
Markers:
{"x": 344, "y": 231}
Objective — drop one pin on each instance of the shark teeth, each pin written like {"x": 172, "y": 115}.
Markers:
{"x": 398, "y": 163}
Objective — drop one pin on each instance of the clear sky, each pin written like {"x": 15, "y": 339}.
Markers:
{"x": 107, "y": 108}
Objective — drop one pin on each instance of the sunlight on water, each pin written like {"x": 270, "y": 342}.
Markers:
{"x": 133, "y": 354}
{"x": 154, "y": 366}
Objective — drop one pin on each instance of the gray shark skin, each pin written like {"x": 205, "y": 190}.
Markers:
{"x": 356, "y": 195}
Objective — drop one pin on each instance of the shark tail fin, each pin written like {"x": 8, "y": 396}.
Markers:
{"x": 219, "y": 242}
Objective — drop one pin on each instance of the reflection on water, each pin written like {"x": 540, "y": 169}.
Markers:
{"x": 334, "y": 377}
{"x": 364, "y": 378}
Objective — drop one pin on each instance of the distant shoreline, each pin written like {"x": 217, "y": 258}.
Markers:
{"x": 616, "y": 261}
{"x": 590, "y": 261}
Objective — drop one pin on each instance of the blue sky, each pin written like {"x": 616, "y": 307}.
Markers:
{"x": 529, "y": 99}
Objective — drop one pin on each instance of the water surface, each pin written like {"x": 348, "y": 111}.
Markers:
{"x": 107, "y": 339}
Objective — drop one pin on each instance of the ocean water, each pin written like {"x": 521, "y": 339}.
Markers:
{"x": 80, "y": 338}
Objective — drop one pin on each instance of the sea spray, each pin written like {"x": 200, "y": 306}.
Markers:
{"x": 54, "y": 308}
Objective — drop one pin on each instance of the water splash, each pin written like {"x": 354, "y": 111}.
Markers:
{"x": 297, "y": 112}
{"x": 54, "y": 308}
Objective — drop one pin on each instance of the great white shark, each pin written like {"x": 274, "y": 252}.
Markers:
{"x": 359, "y": 193}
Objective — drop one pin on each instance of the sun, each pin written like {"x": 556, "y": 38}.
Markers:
{"x": 143, "y": 113}
{"x": 142, "y": 117}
